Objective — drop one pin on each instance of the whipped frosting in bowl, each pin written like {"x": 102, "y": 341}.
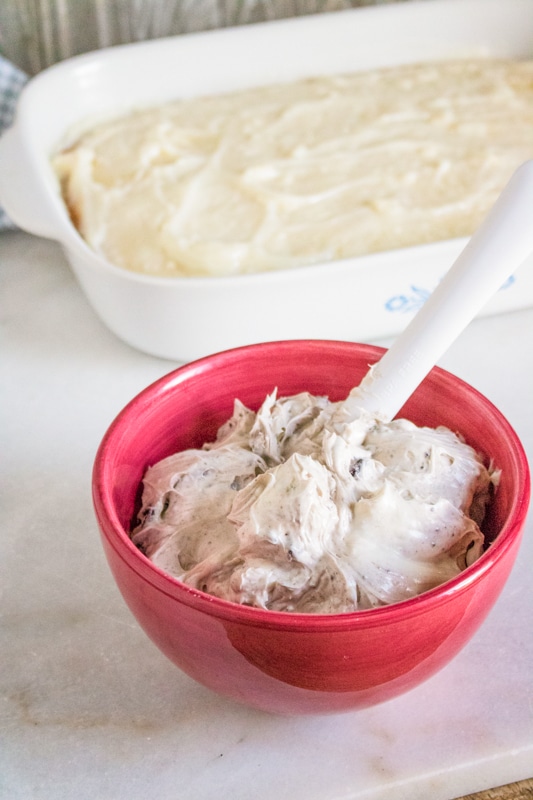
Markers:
{"x": 294, "y": 509}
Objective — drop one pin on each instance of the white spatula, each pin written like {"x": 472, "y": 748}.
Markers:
{"x": 499, "y": 246}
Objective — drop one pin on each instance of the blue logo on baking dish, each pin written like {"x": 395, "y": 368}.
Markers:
{"x": 417, "y": 296}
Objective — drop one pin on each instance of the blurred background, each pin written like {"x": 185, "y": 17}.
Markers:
{"x": 37, "y": 33}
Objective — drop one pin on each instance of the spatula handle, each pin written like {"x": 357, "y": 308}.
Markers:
{"x": 499, "y": 246}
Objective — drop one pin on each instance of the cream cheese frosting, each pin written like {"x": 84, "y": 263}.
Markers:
{"x": 309, "y": 171}
{"x": 294, "y": 508}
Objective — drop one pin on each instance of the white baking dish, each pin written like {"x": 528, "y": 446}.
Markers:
{"x": 358, "y": 299}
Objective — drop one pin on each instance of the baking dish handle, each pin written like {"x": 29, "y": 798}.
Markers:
{"x": 24, "y": 199}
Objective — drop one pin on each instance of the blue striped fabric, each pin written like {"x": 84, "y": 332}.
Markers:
{"x": 12, "y": 80}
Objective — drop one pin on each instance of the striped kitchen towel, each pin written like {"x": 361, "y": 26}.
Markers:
{"x": 12, "y": 79}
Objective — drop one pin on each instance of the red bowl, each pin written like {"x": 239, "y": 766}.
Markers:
{"x": 300, "y": 663}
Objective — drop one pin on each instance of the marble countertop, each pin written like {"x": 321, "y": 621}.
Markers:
{"x": 91, "y": 709}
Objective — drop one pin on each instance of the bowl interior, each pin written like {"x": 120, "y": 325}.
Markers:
{"x": 185, "y": 409}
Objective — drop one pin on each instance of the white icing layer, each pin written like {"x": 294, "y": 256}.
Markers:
{"x": 287, "y": 175}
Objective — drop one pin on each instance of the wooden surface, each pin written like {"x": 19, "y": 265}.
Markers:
{"x": 523, "y": 790}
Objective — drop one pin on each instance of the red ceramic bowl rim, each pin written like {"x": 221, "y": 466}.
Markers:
{"x": 121, "y": 542}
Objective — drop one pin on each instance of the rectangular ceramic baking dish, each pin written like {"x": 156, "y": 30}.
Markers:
{"x": 357, "y": 299}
